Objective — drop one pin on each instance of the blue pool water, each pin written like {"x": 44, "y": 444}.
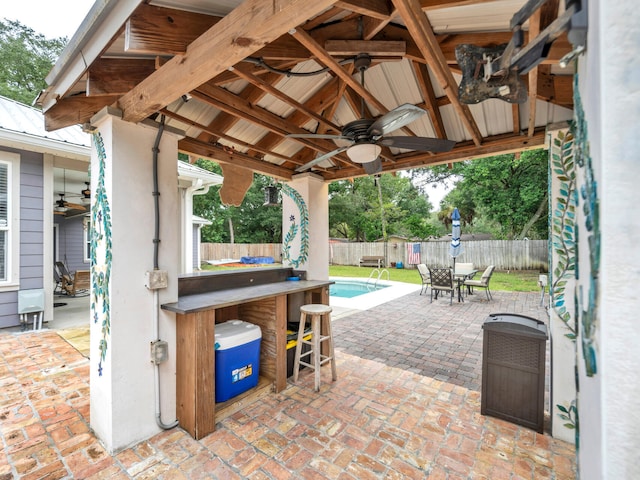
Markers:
{"x": 350, "y": 289}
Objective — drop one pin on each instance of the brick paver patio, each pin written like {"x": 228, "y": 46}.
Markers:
{"x": 406, "y": 405}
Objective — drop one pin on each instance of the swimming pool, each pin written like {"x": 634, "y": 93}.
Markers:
{"x": 368, "y": 298}
{"x": 353, "y": 288}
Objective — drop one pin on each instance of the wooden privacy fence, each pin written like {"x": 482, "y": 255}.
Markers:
{"x": 504, "y": 254}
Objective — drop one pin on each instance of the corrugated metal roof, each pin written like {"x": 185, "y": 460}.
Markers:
{"x": 22, "y": 119}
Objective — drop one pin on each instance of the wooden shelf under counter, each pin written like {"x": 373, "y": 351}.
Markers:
{"x": 269, "y": 305}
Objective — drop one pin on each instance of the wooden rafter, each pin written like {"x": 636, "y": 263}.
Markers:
{"x": 421, "y": 31}
{"x": 224, "y": 136}
{"x": 371, "y": 8}
{"x": 541, "y": 19}
{"x": 267, "y": 88}
{"x": 228, "y": 64}
{"x": 224, "y": 100}
{"x": 221, "y": 154}
{"x": 424, "y": 82}
{"x": 496, "y": 145}
{"x": 248, "y": 27}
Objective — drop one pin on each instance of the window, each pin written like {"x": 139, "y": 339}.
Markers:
{"x": 4, "y": 219}
{"x": 86, "y": 228}
{"x": 9, "y": 226}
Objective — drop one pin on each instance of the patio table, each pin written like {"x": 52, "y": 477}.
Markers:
{"x": 460, "y": 275}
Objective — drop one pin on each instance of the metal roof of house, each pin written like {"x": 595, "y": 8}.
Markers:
{"x": 22, "y": 126}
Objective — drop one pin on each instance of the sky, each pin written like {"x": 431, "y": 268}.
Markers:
{"x": 61, "y": 18}
{"x": 52, "y": 18}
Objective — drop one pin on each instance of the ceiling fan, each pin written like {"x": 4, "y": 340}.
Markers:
{"x": 62, "y": 207}
{"x": 367, "y": 136}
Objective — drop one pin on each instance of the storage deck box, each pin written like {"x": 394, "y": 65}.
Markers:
{"x": 237, "y": 354}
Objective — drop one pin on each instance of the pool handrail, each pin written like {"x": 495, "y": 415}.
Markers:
{"x": 380, "y": 272}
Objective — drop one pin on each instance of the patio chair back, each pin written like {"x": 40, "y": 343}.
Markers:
{"x": 483, "y": 282}
{"x": 423, "y": 270}
{"x": 441, "y": 281}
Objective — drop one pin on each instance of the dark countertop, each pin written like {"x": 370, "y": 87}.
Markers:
{"x": 233, "y": 296}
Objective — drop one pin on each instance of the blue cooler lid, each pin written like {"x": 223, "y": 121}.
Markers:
{"x": 234, "y": 333}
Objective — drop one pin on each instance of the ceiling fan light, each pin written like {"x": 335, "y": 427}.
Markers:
{"x": 364, "y": 152}
{"x": 60, "y": 209}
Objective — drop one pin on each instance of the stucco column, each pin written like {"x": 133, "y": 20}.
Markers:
{"x": 562, "y": 260}
{"x": 125, "y": 317}
{"x": 305, "y": 225}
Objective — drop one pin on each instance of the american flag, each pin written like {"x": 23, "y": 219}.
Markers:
{"x": 413, "y": 253}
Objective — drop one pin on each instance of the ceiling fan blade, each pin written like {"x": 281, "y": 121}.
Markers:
{"x": 75, "y": 206}
{"x": 395, "y": 119}
{"x": 418, "y": 143}
{"x": 315, "y": 161}
{"x": 327, "y": 136}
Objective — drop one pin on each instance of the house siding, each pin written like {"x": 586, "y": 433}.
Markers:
{"x": 31, "y": 234}
{"x": 71, "y": 243}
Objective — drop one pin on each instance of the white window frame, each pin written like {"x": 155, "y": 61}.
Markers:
{"x": 86, "y": 239}
{"x": 12, "y": 281}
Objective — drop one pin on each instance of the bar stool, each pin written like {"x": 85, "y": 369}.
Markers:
{"x": 320, "y": 322}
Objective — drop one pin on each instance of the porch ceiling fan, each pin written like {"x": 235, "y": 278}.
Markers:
{"x": 62, "y": 207}
{"x": 367, "y": 136}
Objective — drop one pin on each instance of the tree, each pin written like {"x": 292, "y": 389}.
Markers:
{"x": 509, "y": 190}
{"x": 251, "y": 222}
{"x": 356, "y": 208}
{"x": 26, "y": 58}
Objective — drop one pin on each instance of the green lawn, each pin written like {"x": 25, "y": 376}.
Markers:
{"x": 513, "y": 281}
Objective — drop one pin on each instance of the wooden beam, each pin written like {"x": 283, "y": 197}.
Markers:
{"x": 116, "y": 76}
{"x": 371, "y": 8}
{"x": 540, "y": 20}
{"x": 75, "y": 111}
{"x": 496, "y": 145}
{"x": 161, "y": 30}
{"x": 375, "y": 48}
{"x": 438, "y": 4}
{"x": 321, "y": 54}
{"x": 515, "y": 115}
{"x": 227, "y": 101}
{"x": 324, "y": 100}
{"x": 250, "y": 26}
{"x": 426, "y": 87}
{"x": 270, "y": 89}
{"x": 205, "y": 128}
{"x": 251, "y": 94}
{"x": 418, "y": 26}
{"x": 220, "y": 154}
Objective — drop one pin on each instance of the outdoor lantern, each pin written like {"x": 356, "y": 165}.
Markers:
{"x": 270, "y": 196}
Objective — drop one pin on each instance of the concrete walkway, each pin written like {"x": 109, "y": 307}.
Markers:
{"x": 406, "y": 405}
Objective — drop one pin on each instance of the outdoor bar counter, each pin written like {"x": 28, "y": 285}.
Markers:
{"x": 263, "y": 296}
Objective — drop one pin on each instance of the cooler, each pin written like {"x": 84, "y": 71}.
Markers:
{"x": 237, "y": 350}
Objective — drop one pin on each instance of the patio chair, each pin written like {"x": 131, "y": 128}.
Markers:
{"x": 423, "y": 270}
{"x": 73, "y": 284}
{"x": 57, "y": 290}
{"x": 442, "y": 281}
{"x": 79, "y": 285}
{"x": 465, "y": 267}
{"x": 483, "y": 282}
